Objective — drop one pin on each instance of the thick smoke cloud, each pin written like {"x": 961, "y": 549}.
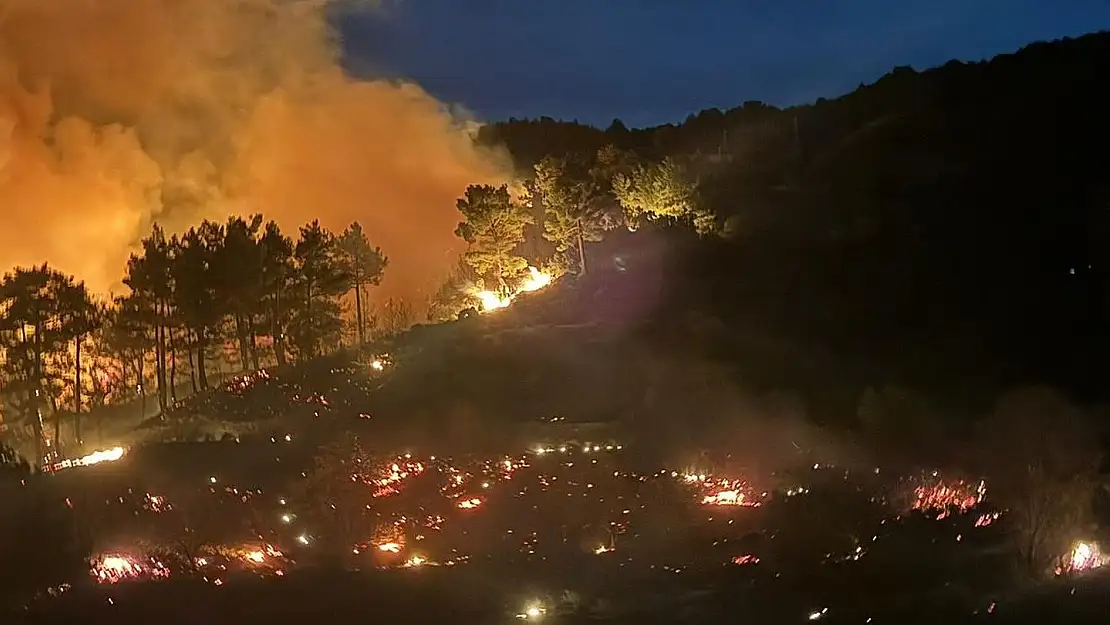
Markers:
{"x": 118, "y": 113}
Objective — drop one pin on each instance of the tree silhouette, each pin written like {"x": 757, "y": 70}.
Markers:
{"x": 238, "y": 261}
{"x": 318, "y": 280}
{"x": 364, "y": 265}
{"x": 149, "y": 278}
{"x": 44, "y": 311}
{"x": 276, "y": 278}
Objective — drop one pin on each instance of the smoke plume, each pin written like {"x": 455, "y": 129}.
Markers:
{"x": 115, "y": 114}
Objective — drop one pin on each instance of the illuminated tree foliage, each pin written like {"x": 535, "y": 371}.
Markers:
{"x": 573, "y": 199}
{"x": 662, "y": 191}
{"x": 493, "y": 227}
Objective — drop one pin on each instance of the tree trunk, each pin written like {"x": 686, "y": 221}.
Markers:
{"x": 57, "y": 416}
{"x": 358, "y": 308}
{"x": 311, "y": 322}
{"x": 202, "y": 374}
{"x": 140, "y": 372}
{"x": 279, "y": 348}
{"x": 277, "y": 331}
{"x": 253, "y": 343}
{"x": 241, "y": 337}
{"x": 173, "y": 370}
{"x": 77, "y": 392}
{"x": 581, "y": 251}
{"x": 160, "y": 355}
{"x": 192, "y": 369}
{"x": 38, "y": 382}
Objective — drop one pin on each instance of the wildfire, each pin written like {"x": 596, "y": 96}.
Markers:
{"x": 535, "y": 281}
{"x": 945, "y": 497}
{"x": 492, "y": 301}
{"x": 253, "y": 555}
{"x": 97, "y": 457}
{"x": 115, "y": 568}
{"x": 725, "y": 498}
{"x": 716, "y": 491}
{"x": 1084, "y": 556}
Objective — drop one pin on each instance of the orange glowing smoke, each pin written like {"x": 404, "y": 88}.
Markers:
{"x": 116, "y": 114}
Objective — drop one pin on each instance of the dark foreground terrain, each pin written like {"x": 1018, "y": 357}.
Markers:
{"x": 478, "y": 595}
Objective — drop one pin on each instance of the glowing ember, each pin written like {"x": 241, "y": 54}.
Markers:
{"x": 944, "y": 497}
{"x": 721, "y": 491}
{"x": 470, "y": 503}
{"x": 986, "y": 519}
{"x": 725, "y": 498}
{"x": 115, "y": 568}
{"x": 745, "y": 559}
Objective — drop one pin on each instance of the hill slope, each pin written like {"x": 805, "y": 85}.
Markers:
{"x": 948, "y": 227}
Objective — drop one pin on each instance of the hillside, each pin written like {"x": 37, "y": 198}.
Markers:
{"x": 946, "y": 228}
{"x": 937, "y": 230}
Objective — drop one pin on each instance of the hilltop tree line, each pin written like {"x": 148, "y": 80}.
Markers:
{"x": 946, "y": 227}
{"x": 564, "y": 203}
{"x": 241, "y": 292}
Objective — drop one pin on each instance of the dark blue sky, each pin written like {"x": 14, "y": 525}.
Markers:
{"x": 654, "y": 61}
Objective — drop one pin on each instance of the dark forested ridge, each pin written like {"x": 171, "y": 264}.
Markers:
{"x": 947, "y": 227}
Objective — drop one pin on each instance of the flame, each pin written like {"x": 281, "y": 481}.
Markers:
{"x": 115, "y": 568}
{"x": 97, "y": 457}
{"x": 492, "y": 301}
{"x": 535, "y": 281}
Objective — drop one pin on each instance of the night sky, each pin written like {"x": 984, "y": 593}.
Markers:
{"x": 654, "y": 61}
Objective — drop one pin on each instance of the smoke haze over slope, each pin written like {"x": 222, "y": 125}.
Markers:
{"x": 118, "y": 113}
